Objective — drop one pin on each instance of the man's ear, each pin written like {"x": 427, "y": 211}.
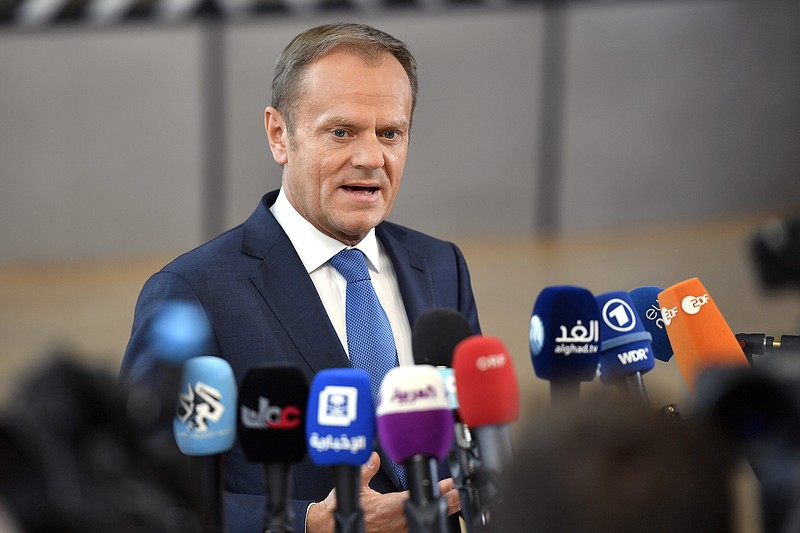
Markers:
{"x": 277, "y": 135}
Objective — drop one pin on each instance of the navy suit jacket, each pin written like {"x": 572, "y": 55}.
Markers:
{"x": 263, "y": 309}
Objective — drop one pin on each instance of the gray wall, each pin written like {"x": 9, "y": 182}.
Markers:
{"x": 673, "y": 112}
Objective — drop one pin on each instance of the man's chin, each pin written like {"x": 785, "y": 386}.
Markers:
{"x": 354, "y": 232}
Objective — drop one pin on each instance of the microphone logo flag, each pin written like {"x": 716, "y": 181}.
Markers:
{"x": 201, "y": 404}
{"x": 536, "y": 334}
{"x": 271, "y": 417}
{"x": 653, "y": 314}
{"x": 337, "y": 406}
{"x": 489, "y": 362}
{"x": 618, "y": 315}
{"x": 692, "y": 304}
{"x": 669, "y": 314}
{"x": 579, "y": 339}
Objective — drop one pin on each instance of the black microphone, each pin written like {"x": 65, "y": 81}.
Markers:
{"x": 757, "y": 345}
{"x": 272, "y": 402}
{"x": 434, "y": 336}
{"x": 775, "y": 250}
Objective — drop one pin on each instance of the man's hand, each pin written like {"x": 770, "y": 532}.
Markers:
{"x": 383, "y": 513}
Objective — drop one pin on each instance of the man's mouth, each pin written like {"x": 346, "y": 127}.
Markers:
{"x": 358, "y": 189}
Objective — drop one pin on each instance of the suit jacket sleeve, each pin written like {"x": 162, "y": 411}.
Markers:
{"x": 243, "y": 512}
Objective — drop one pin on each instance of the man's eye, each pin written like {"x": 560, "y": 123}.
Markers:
{"x": 340, "y": 133}
{"x": 390, "y": 135}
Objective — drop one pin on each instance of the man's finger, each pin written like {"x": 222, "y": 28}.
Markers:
{"x": 370, "y": 468}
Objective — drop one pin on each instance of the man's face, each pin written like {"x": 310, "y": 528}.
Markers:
{"x": 344, "y": 163}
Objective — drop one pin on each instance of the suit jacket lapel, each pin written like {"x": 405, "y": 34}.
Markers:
{"x": 289, "y": 292}
{"x": 411, "y": 268}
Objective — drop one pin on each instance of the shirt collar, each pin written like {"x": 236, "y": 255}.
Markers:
{"x": 313, "y": 246}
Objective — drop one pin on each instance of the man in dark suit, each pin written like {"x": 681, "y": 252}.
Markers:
{"x": 339, "y": 125}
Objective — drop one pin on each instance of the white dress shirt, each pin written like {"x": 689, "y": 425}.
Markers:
{"x": 315, "y": 249}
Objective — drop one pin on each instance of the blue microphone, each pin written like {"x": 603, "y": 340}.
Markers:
{"x": 565, "y": 339}
{"x": 205, "y": 423}
{"x": 205, "y": 427}
{"x": 625, "y": 350}
{"x": 180, "y": 331}
{"x": 645, "y": 302}
{"x": 340, "y": 429}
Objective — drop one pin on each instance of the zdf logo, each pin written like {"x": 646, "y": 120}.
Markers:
{"x": 668, "y": 314}
{"x": 692, "y": 304}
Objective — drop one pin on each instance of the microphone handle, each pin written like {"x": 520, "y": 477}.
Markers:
{"x": 461, "y": 460}
{"x": 205, "y": 471}
{"x": 563, "y": 392}
{"x": 633, "y": 385}
{"x": 277, "y": 513}
{"x": 348, "y": 516}
{"x": 426, "y": 509}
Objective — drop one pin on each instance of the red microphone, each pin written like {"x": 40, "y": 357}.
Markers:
{"x": 488, "y": 399}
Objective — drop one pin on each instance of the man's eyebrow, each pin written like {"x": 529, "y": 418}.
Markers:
{"x": 395, "y": 124}
{"x": 337, "y": 120}
{"x": 399, "y": 124}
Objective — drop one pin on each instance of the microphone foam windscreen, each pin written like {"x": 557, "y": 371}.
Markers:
{"x": 486, "y": 382}
{"x": 205, "y": 422}
{"x": 340, "y": 422}
{"x": 413, "y": 414}
{"x": 699, "y": 335}
{"x": 564, "y": 334}
{"x": 180, "y": 331}
{"x": 624, "y": 343}
{"x": 272, "y": 402}
{"x": 436, "y": 333}
{"x": 433, "y": 339}
{"x": 645, "y": 302}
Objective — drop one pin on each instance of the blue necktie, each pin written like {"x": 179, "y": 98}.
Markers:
{"x": 370, "y": 342}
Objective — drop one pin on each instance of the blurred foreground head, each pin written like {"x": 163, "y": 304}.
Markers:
{"x": 609, "y": 466}
{"x": 76, "y": 458}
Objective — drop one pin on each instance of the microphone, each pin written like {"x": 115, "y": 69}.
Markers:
{"x": 415, "y": 427}
{"x": 699, "y": 335}
{"x": 340, "y": 428}
{"x": 433, "y": 338}
{"x": 271, "y": 431}
{"x": 625, "y": 350}
{"x": 205, "y": 427}
{"x": 180, "y": 330}
{"x": 757, "y": 345}
{"x": 645, "y": 303}
{"x": 775, "y": 250}
{"x": 489, "y": 398}
{"x": 564, "y": 339}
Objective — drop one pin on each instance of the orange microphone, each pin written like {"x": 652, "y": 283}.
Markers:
{"x": 698, "y": 333}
